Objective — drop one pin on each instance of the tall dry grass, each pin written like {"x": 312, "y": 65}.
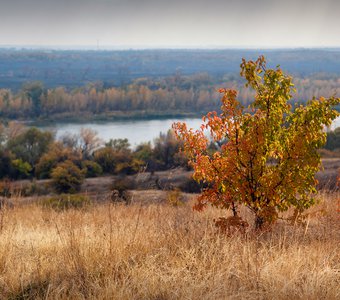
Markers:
{"x": 163, "y": 252}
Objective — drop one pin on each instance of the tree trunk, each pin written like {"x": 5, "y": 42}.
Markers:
{"x": 259, "y": 222}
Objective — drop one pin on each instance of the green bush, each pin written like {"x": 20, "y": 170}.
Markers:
{"x": 67, "y": 177}
{"x": 106, "y": 158}
{"x": 129, "y": 168}
{"x": 91, "y": 168}
{"x": 66, "y": 201}
{"x": 21, "y": 168}
{"x": 117, "y": 159}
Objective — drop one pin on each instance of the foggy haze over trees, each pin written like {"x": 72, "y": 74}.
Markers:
{"x": 74, "y": 68}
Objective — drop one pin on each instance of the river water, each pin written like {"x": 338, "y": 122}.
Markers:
{"x": 136, "y": 131}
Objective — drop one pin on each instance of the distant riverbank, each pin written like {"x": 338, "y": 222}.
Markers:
{"x": 110, "y": 117}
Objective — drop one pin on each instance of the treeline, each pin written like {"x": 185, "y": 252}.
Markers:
{"x": 74, "y": 68}
{"x": 175, "y": 94}
{"x": 32, "y": 153}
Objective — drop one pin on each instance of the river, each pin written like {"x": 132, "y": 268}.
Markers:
{"x": 136, "y": 131}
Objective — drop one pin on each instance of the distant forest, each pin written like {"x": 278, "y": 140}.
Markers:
{"x": 46, "y": 83}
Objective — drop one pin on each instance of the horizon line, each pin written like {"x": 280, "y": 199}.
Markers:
{"x": 141, "y": 47}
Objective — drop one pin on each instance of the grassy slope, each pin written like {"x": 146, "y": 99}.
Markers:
{"x": 163, "y": 252}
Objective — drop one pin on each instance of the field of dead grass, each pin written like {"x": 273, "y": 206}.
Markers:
{"x": 157, "y": 251}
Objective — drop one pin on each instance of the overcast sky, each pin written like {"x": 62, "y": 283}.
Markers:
{"x": 171, "y": 23}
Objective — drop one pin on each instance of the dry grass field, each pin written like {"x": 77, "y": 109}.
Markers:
{"x": 158, "y": 251}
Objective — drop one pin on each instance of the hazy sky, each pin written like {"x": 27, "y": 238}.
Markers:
{"x": 171, "y": 23}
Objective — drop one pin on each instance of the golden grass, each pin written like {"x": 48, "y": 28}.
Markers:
{"x": 163, "y": 252}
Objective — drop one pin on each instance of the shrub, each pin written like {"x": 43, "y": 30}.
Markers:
{"x": 66, "y": 201}
{"x": 175, "y": 198}
{"x": 130, "y": 167}
{"x": 56, "y": 154}
{"x": 67, "y": 177}
{"x": 21, "y": 169}
{"x": 106, "y": 158}
{"x": 116, "y": 158}
{"x": 120, "y": 188}
{"x": 91, "y": 168}
{"x": 5, "y": 188}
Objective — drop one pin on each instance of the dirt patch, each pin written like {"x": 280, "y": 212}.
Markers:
{"x": 327, "y": 177}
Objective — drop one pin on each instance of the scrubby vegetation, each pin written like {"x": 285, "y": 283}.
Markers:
{"x": 28, "y": 153}
{"x": 32, "y": 153}
{"x": 65, "y": 201}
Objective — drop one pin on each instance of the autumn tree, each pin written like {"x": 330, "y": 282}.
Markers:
{"x": 268, "y": 158}
{"x": 14, "y": 129}
{"x": 88, "y": 142}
